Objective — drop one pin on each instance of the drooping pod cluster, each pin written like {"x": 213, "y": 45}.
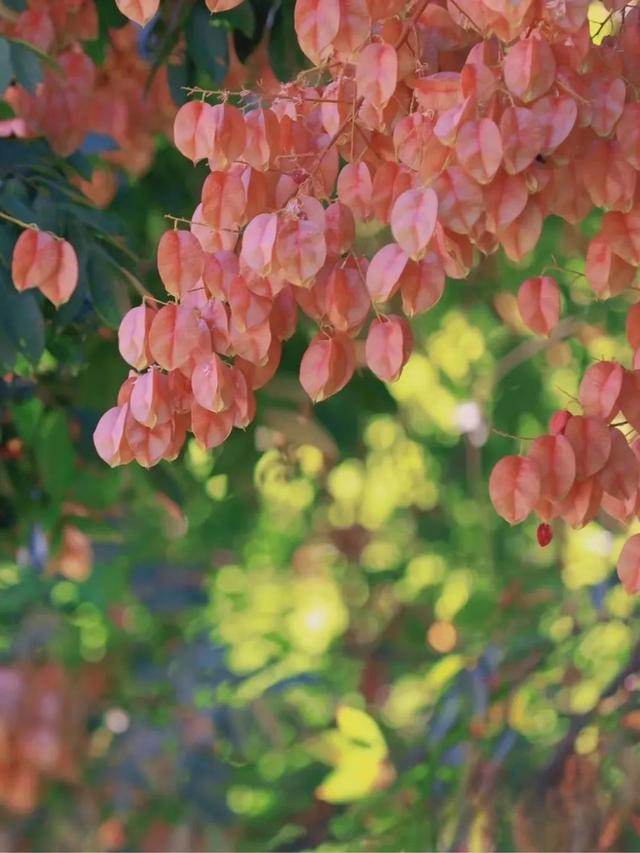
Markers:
{"x": 39, "y": 733}
{"x": 76, "y": 97}
{"x": 459, "y": 125}
{"x": 45, "y": 262}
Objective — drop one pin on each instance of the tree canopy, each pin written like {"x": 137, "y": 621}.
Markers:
{"x": 304, "y": 307}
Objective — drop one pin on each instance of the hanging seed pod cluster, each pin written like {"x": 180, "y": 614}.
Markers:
{"x": 460, "y": 124}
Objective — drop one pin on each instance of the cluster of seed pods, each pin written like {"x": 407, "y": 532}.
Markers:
{"x": 142, "y": 11}
{"x": 459, "y": 125}
{"x": 39, "y": 725}
{"x": 48, "y": 263}
{"x": 76, "y": 97}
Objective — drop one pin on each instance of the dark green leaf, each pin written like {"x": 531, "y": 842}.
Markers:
{"x": 242, "y": 18}
{"x": 108, "y": 291}
{"x": 207, "y": 43}
{"x": 178, "y": 77}
{"x": 284, "y": 53}
{"x": 80, "y": 163}
{"x": 6, "y": 68}
{"x": 54, "y": 453}
{"x": 27, "y": 66}
{"x": 8, "y": 236}
{"x": 16, "y": 5}
{"x": 21, "y": 324}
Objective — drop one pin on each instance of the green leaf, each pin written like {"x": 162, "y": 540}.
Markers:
{"x": 178, "y": 77}
{"x": 16, "y": 5}
{"x": 207, "y": 43}
{"x": 6, "y": 68}
{"x": 284, "y": 53}
{"x": 21, "y": 324}
{"x": 108, "y": 291}
{"x": 54, "y": 454}
{"x": 242, "y": 18}
{"x": 27, "y": 66}
{"x": 26, "y": 417}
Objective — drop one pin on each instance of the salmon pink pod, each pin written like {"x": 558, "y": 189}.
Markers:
{"x": 422, "y": 285}
{"x": 262, "y": 130}
{"x": 377, "y": 74}
{"x": 301, "y": 250}
{"x": 522, "y": 138}
{"x": 138, "y": 11}
{"x": 228, "y": 136}
{"x": 555, "y": 460}
{"x": 630, "y": 398}
{"x": 212, "y": 384}
{"x": 529, "y": 68}
{"x": 558, "y": 421}
{"x": 108, "y": 436}
{"x": 628, "y": 134}
{"x": 61, "y": 284}
{"x": 355, "y": 189}
{"x": 34, "y": 259}
{"x": 258, "y": 375}
{"x": 607, "y": 273}
{"x": 539, "y": 304}
{"x": 327, "y": 365}
{"x": 124, "y": 393}
{"x": 388, "y": 347}
{"x": 244, "y": 400}
{"x": 607, "y": 96}
{"x": 347, "y": 300}
{"x": 253, "y": 344}
{"x": 505, "y": 198}
{"x": 43, "y": 261}
{"x": 460, "y": 200}
{"x": 590, "y": 439}
{"x": 557, "y": 116}
{"x": 633, "y": 326}
{"x": 340, "y": 229}
{"x": 224, "y": 201}
{"x": 582, "y": 503}
{"x": 180, "y": 261}
{"x": 284, "y": 314}
{"x": 258, "y": 243}
{"x": 316, "y": 23}
{"x": 619, "y": 477}
{"x": 148, "y": 445}
{"x": 629, "y": 565}
{"x": 622, "y": 232}
{"x": 600, "y": 389}
{"x": 514, "y": 488}
{"x": 173, "y": 334}
{"x": 133, "y": 336}
{"x": 479, "y": 149}
{"x": 180, "y": 392}
{"x": 413, "y": 219}
{"x": 385, "y": 272}
{"x": 221, "y": 5}
{"x": 211, "y": 429}
{"x": 193, "y": 130}
{"x": 248, "y": 310}
{"x": 390, "y": 180}
{"x": 150, "y": 402}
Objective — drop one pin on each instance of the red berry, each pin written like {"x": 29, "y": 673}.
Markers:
{"x": 544, "y": 534}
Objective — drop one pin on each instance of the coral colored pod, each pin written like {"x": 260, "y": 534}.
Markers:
{"x": 45, "y": 262}
{"x": 388, "y": 347}
{"x": 327, "y": 365}
{"x": 539, "y": 304}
